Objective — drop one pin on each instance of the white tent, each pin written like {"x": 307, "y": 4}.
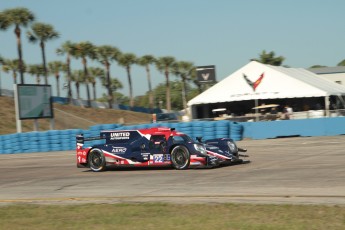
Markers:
{"x": 277, "y": 82}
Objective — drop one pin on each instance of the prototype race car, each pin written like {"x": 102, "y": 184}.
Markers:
{"x": 155, "y": 147}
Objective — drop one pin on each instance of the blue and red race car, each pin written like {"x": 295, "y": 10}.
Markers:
{"x": 155, "y": 147}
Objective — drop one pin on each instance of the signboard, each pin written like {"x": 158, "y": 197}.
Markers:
{"x": 34, "y": 101}
{"x": 206, "y": 74}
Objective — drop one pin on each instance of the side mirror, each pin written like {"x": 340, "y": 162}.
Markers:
{"x": 199, "y": 139}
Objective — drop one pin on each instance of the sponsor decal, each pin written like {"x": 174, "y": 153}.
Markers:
{"x": 145, "y": 156}
{"x": 254, "y": 84}
{"x": 120, "y": 136}
{"x": 119, "y": 150}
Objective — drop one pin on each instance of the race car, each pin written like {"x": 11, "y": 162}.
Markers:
{"x": 157, "y": 146}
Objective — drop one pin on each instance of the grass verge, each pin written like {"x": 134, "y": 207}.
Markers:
{"x": 172, "y": 216}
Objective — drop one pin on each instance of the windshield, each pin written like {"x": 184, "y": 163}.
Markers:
{"x": 182, "y": 138}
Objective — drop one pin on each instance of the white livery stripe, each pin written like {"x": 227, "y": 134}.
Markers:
{"x": 218, "y": 155}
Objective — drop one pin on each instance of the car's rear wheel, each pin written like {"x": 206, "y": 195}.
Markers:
{"x": 180, "y": 157}
{"x": 96, "y": 160}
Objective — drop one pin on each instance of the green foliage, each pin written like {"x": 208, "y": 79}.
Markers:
{"x": 269, "y": 58}
{"x": 42, "y": 32}
{"x": 146, "y": 60}
{"x": 160, "y": 96}
{"x": 317, "y": 66}
{"x": 119, "y": 98}
{"x": 55, "y": 67}
{"x": 342, "y": 63}
{"x": 17, "y": 16}
{"x": 127, "y": 59}
{"x": 164, "y": 64}
{"x": 107, "y": 53}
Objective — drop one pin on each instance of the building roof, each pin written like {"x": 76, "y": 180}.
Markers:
{"x": 277, "y": 82}
{"x": 328, "y": 70}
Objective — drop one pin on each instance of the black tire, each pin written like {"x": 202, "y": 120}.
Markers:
{"x": 180, "y": 157}
{"x": 96, "y": 160}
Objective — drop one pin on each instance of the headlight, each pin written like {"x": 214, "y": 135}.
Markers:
{"x": 232, "y": 147}
{"x": 201, "y": 149}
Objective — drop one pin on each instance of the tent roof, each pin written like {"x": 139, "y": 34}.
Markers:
{"x": 278, "y": 82}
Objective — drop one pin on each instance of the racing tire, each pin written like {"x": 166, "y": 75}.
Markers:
{"x": 96, "y": 160}
{"x": 180, "y": 157}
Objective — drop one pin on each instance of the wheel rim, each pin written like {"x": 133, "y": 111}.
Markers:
{"x": 180, "y": 158}
{"x": 96, "y": 160}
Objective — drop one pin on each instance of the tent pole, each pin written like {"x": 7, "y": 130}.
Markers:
{"x": 256, "y": 110}
{"x": 327, "y": 106}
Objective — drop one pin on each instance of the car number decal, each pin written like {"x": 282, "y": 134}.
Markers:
{"x": 158, "y": 158}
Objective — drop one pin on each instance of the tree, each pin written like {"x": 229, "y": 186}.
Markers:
{"x": 67, "y": 48}
{"x": 9, "y": 65}
{"x": 184, "y": 70}
{"x": 342, "y": 63}
{"x": 106, "y": 54}
{"x": 36, "y": 70}
{"x": 85, "y": 50}
{"x": 126, "y": 60}
{"x": 42, "y": 33}
{"x": 94, "y": 73}
{"x": 17, "y": 17}
{"x": 55, "y": 67}
{"x": 318, "y": 66}
{"x": 146, "y": 61}
{"x": 115, "y": 84}
{"x": 1, "y": 62}
{"x": 77, "y": 77}
{"x": 269, "y": 58}
{"x": 164, "y": 64}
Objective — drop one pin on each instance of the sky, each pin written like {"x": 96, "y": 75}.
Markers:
{"x": 224, "y": 33}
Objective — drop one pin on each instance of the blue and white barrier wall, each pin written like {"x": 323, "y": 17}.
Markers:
{"x": 301, "y": 127}
{"x": 61, "y": 140}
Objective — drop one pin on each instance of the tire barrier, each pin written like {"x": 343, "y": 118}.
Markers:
{"x": 236, "y": 131}
{"x": 62, "y": 140}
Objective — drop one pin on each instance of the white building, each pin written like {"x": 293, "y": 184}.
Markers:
{"x": 335, "y": 74}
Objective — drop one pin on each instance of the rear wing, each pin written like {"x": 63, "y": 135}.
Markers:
{"x": 81, "y": 139}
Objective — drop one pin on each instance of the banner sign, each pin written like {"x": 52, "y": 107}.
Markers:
{"x": 206, "y": 74}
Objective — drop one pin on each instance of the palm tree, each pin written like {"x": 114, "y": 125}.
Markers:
{"x": 184, "y": 70}
{"x": 126, "y": 60}
{"x": 36, "y": 70}
{"x": 67, "y": 48}
{"x": 77, "y": 77}
{"x": 10, "y": 65}
{"x": 85, "y": 50}
{"x": 105, "y": 54}
{"x": 1, "y": 62}
{"x": 55, "y": 67}
{"x": 115, "y": 84}
{"x": 42, "y": 32}
{"x": 146, "y": 61}
{"x": 94, "y": 73}
{"x": 18, "y": 17}
{"x": 164, "y": 64}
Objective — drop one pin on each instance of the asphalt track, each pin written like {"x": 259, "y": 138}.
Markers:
{"x": 298, "y": 170}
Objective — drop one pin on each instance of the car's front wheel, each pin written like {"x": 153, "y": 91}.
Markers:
{"x": 96, "y": 160}
{"x": 180, "y": 157}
